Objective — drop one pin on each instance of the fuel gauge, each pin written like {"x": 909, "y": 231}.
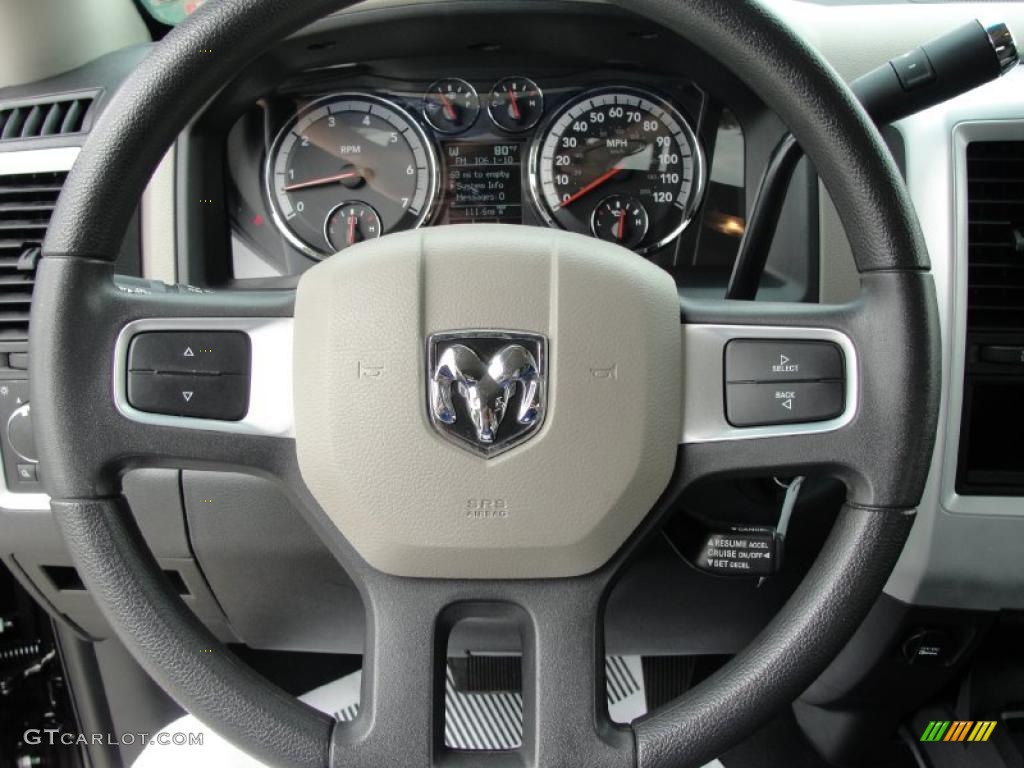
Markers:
{"x": 451, "y": 105}
{"x": 516, "y": 104}
{"x": 621, "y": 219}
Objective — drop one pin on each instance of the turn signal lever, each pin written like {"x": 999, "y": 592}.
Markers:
{"x": 948, "y": 66}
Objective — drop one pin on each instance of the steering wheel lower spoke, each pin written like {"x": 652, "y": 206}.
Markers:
{"x": 566, "y": 693}
{"x": 402, "y": 712}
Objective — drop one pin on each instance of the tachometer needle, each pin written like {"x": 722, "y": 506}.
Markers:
{"x": 323, "y": 180}
{"x": 590, "y": 187}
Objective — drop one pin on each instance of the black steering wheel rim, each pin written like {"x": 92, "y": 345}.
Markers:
{"x": 75, "y": 296}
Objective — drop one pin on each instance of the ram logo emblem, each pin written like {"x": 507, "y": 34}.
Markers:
{"x": 486, "y": 389}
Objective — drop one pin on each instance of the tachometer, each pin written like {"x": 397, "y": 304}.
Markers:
{"x": 626, "y": 144}
{"x": 349, "y": 149}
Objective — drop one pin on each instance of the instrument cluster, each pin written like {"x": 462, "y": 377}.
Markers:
{"x": 619, "y": 162}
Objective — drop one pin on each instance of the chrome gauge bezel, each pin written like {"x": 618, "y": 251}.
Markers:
{"x": 433, "y": 170}
{"x": 699, "y": 159}
{"x": 338, "y": 207}
{"x": 470, "y": 89}
{"x": 604, "y": 200}
{"x": 522, "y": 129}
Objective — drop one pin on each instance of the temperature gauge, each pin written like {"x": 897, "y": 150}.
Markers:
{"x": 351, "y": 223}
{"x": 451, "y": 105}
{"x": 517, "y": 104}
{"x": 621, "y": 219}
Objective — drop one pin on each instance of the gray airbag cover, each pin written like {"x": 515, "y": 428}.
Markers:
{"x": 414, "y": 504}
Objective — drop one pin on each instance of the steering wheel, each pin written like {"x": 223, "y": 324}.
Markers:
{"x": 633, "y": 413}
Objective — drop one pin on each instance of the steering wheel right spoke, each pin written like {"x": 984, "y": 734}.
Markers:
{"x": 790, "y": 389}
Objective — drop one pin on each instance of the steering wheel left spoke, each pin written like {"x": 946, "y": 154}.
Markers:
{"x": 109, "y": 316}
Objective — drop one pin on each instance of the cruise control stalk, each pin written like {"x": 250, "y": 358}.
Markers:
{"x": 741, "y": 549}
{"x": 937, "y": 71}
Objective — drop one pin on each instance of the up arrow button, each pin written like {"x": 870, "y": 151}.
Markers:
{"x": 208, "y": 352}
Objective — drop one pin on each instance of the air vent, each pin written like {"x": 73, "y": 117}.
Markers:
{"x": 26, "y": 204}
{"x": 989, "y": 462}
{"x": 995, "y": 232}
{"x": 55, "y": 118}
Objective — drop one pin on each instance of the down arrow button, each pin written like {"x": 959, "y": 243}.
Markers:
{"x": 225, "y": 398}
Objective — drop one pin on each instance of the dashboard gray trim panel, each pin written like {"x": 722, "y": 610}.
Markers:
{"x": 963, "y": 135}
{"x": 964, "y": 551}
{"x": 38, "y": 160}
{"x": 50, "y": 160}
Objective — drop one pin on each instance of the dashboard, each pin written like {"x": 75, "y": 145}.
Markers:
{"x": 373, "y": 122}
{"x": 327, "y": 158}
{"x": 618, "y": 163}
{"x": 218, "y": 215}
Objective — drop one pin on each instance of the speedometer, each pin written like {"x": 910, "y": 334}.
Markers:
{"x": 613, "y": 145}
{"x": 349, "y": 152}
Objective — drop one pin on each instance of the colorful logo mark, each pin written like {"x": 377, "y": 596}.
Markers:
{"x": 958, "y": 730}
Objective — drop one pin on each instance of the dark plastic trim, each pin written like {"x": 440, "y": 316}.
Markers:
{"x": 819, "y": 618}
{"x": 144, "y": 609}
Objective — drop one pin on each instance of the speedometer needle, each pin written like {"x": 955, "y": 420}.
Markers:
{"x": 323, "y": 180}
{"x": 590, "y": 187}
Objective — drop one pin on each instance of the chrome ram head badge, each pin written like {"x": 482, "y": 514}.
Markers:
{"x": 477, "y": 378}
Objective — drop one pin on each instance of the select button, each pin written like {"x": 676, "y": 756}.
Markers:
{"x": 783, "y": 360}
{"x": 758, "y": 405}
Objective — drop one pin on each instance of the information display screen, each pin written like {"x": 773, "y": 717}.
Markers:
{"x": 484, "y": 182}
